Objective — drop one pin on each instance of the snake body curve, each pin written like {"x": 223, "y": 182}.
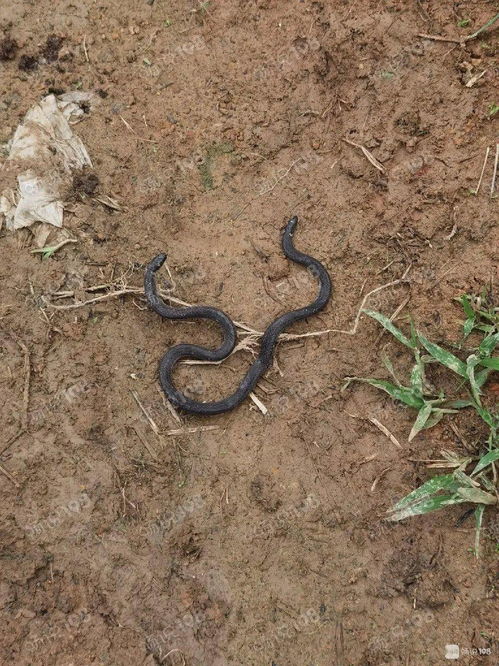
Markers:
{"x": 268, "y": 342}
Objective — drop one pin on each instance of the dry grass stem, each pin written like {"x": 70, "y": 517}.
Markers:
{"x": 251, "y": 334}
{"x": 477, "y": 190}
{"x": 494, "y": 174}
{"x": 153, "y": 425}
{"x": 9, "y": 476}
{"x": 385, "y": 432}
{"x": 367, "y": 154}
{"x": 188, "y": 431}
{"x": 259, "y": 403}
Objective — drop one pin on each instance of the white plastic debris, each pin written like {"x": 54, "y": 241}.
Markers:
{"x": 46, "y": 141}
{"x": 37, "y": 202}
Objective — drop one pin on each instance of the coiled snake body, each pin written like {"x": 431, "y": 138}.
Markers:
{"x": 269, "y": 339}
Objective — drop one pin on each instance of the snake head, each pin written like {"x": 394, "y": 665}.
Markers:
{"x": 156, "y": 263}
{"x": 291, "y": 225}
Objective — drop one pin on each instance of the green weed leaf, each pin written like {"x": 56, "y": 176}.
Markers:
{"x": 421, "y": 420}
{"x": 386, "y": 323}
{"x": 402, "y": 393}
{"x": 426, "y": 505}
{"x": 488, "y": 345}
{"x": 437, "y": 483}
{"x": 492, "y": 363}
{"x": 443, "y": 356}
{"x": 486, "y": 460}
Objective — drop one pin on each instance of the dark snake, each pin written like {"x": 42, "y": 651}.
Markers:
{"x": 269, "y": 338}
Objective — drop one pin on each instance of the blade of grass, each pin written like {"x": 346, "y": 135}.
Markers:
{"x": 414, "y": 334}
{"x": 468, "y": 326}
{"x": 486, "y": 460}
{"x": 430, "y": 487}
{"x": 389, "y": 366}
{"x": 417, "y": 374}
{"x": 486, "y": 482}
{"x": 459, "y": 404}
{"x": 492, "y": 363}
{"x": 435, "y": 417}
{"x": 467, "y": 307}
{"x": 463, "y": 480}
{"x": 421, "y": 420}
{"x": 471, "y": 362}
{"x": 482, "y": 376}
{"x": 402, "y": 393}
{"x": 488, "y": 345}
{"x": 443, "y": 356}
{"x": 426, "y": 506}
{"x": 386, "y": 323}
{"x": 485, "y": 414}
{"x": 470, "y": 321}
{"x": 484, "y": 27}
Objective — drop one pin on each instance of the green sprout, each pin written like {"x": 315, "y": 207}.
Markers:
{"x": 473, "y": 479}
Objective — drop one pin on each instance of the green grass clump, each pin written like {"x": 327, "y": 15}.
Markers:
{"x": 474, "y": 478}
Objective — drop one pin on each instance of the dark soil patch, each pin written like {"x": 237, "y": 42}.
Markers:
{"x": 8, "y": 48}
{"x": 28, "y": 63}
{"x": 85, "y": 183}
{"x": 52, "y": 47}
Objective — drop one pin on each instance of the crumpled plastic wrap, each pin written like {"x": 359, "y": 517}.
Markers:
{"x": 46, "y": 141}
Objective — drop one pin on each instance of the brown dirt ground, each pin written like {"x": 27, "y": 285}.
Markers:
{"x": 260, "y": 541}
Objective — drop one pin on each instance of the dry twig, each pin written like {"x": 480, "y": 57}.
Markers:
{"x": 53, "y": 249}
{"x": 85, "y": 51}
{"x": 475, "y": 78}
{"x": 378, "y": 478}
{"x": 496, "y": 160}
{"x": 367, "y": 154}
{"x": 252, "y": 334}
{"x": 144, "y": 441}
{"x": 259, "y": 403}
{"x": 461, "y": 40}
{"x": 187, "y": 431}
{"x": 153, "y": 425}
{"x": 483, "y": 170}
{"x": 9, "y": 476}
{"x": 385, "y": 431}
